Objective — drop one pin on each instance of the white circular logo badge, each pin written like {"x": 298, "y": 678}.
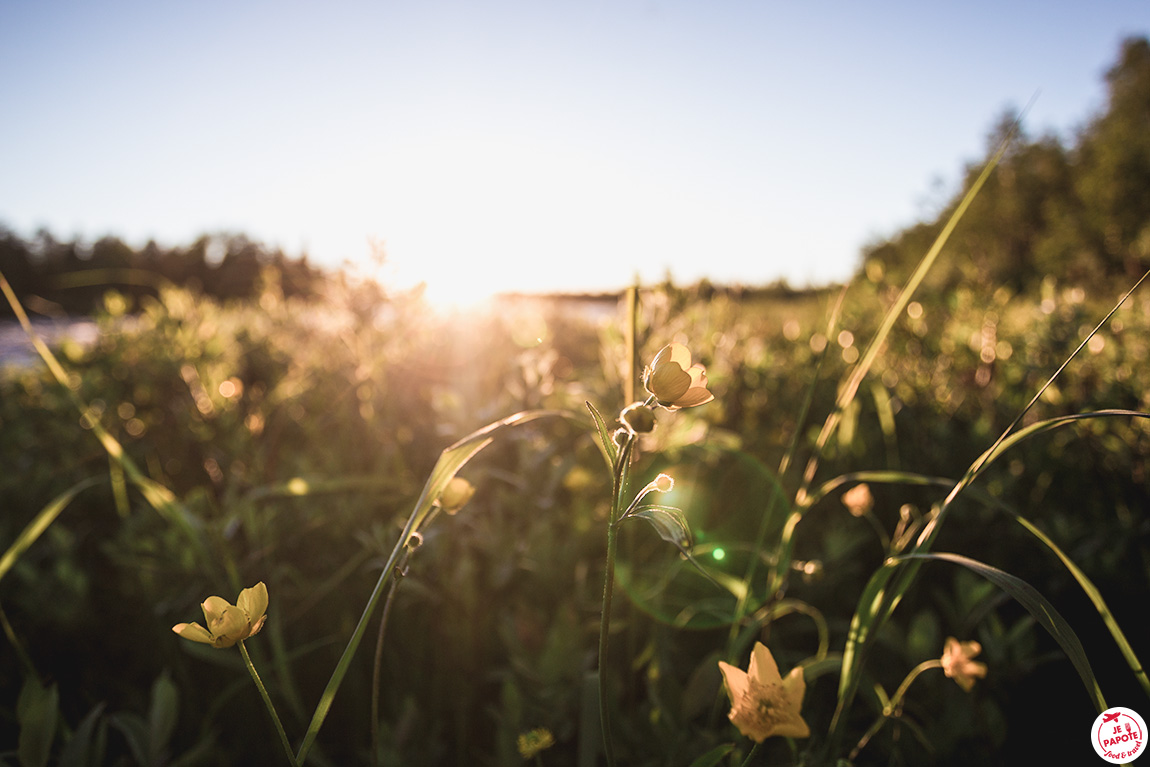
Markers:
{"x": 1119, "y": 735}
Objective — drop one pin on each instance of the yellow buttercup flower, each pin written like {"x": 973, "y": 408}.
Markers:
{"x": 674, "y": 381}
{"x": 228, "y": 623}
{"x": 763, "y": 703}
{"x": 957, "y": 663}
{"x": 532, "y": 743}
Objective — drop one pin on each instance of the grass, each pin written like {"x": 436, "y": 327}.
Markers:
{"x": 202, "y": 447}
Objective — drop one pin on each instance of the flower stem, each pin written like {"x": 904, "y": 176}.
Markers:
{"x": 893, "y": 708}
{"x": 376, "y": 668}
{"x": 896, "y": 699}
{"x": 270, "y": 706}
{"x": 620, "y": 484}
{"x": 751, "y": 754}
{"x": 604, "y": 630}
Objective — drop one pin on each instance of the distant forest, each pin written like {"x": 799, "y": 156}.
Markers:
{"x": 55, "y": 278}
{"x": 1078, "y": 213}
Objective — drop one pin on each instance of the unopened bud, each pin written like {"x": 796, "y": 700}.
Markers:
{"x": 638, "y": 418}
{"x": 456, "y": 495}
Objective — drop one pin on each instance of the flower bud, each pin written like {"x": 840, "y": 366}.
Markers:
{"x": 456, "y": 495}
{"x": 638, "y": 418}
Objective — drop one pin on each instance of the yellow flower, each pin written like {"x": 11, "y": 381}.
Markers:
{"x": 762, "y": 702}
{"x": 957, "y": 663}
{"x": 531, "y": 743}
{"x": 674, "y": 381}
{"x": 858, "y": 499}
{"x": 456, "y": 495}
{"x": 228, "y": 623}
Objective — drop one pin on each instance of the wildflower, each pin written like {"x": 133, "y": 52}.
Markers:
{"x": 456, "y": 495}
{"x": 674, "y": 381}
{"x": 531, "y": 743}
{"x": 957, "y": 663}
{"x": 228, "y": 623}
{"x": 638, "y": 418}
{"x": 858, "y": 499}
{"x": 762, "y": 702}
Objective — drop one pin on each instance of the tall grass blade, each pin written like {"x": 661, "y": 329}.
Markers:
{"x": 1039, "y": 607}
{"x": 41, "y": 522}
{"x": 1096, "y": 598}
{"x": 850, "y": 387}
{"x": 159, "y": 497}
{"x": 451, "y": 460}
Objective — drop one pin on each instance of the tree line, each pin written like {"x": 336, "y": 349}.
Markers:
{"x": 70, "y": 277}
{"x": 1080, "y": 213}
{"x": 1077, "y": 212}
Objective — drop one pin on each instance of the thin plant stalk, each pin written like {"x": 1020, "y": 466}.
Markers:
{"x": 619, "y": 487}
{"x": 893, "y": 707}
{"x": 417, "y": 539}
{"x": 376, "y": 670}
{"x": 268, "y": 703}
{"x": 16, "y": 644}
{"x": 751, "y": 754}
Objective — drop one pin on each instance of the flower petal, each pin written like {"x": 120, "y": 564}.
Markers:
{"x": 193, "y": 631}
{"x": 213, "y": 608}
{"x": 677, "y": 353}
{"x": 737, "y": 682}
{"x": 763, "y": 670}
{"x": 693, "y": 397}
{"x": 668, "y": 381}
{"x": 230, "y": 627}
{"x": 254, "y": 602}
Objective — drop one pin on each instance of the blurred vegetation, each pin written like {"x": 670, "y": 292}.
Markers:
{"x": 56, "y": 278}
{"x": 295, "y": 418}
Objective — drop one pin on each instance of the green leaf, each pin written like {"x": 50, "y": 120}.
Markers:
{"x": 670, "y": 523}
{"x": 37, "y": 712}
{"x": 162, "y": 715}
{"x": 606, "y": 444}
{"x": 87, "y": 745}
{"x": 41, "y": 522}
{"x": 1096, "y": 598}
{"x": 714, "y": 756}
{"x": 135, "y": 731}
{"x": 1038, "y": 606}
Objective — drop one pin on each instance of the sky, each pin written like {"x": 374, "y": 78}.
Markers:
{"x": 530, "y": 145}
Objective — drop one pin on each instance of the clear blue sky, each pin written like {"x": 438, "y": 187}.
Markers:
{"x": 529, "y": 145}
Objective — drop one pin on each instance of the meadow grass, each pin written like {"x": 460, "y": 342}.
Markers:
{"x": 203, "y": 447}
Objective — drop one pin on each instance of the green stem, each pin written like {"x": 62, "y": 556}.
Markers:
{"x": 893, "y": 707}
{"x": 376, "y": 667}
{"x": 19, "y": 648}
{"x": 328, "y": 695}
{"x": 751, "y": 755}
{"x": 417, "y": 540}
{"x": 270, "y": 706}
{"x": 896, "y": 699}
{"x": 604, "y": 629}
{"x": 620, "y": 484}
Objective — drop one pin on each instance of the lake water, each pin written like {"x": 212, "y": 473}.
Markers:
{"x": 16, "y": 349}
